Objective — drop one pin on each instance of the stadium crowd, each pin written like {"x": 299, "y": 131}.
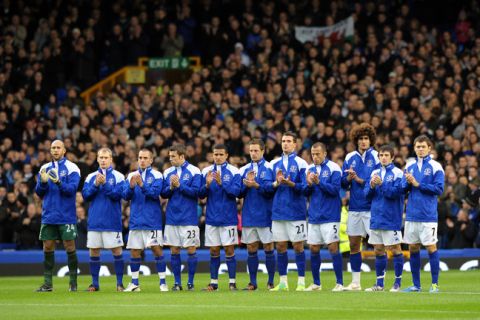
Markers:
{"x": 401, "y": 75}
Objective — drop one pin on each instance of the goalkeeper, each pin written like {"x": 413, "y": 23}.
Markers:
{"x": 57, "y": 186}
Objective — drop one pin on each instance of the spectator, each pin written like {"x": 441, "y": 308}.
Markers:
{"x": 28, "y": 227}
{"x": 462, "y": 232}
{"x": 13, "y": 211}
{"x": 81, "y": 241}
{"x": 172, "y": 43}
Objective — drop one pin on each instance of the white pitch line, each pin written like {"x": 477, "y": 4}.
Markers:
{"x": 459, "y": 293}
{"x": 294, "y": 308}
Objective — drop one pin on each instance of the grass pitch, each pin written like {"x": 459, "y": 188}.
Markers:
{"x": 459, "y": 299}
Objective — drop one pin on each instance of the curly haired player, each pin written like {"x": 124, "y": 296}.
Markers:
{"x": 357, "y": 168}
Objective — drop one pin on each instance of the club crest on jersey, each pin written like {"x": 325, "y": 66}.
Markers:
{"x": 389, "y": 178}
{"x": 63, "y": 173}
{"x": 325, "y": 174}
{"x": 227, "y": 178}
{"x": 370, "y": 163}
{"x": 111, "y": 181}
{"x": 427, "y": 172}
{"x": 354, "y": 164}
{"x": 150, "y": 180}
{"x": 186, "y": 176}
{"x": 293, "y": 169}
{"x": 262, "y": 175}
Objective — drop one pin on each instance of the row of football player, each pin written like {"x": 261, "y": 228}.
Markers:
{"x": 274, "y": 211}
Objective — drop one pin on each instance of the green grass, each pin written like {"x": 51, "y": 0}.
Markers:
{"x": 459, "y": 299}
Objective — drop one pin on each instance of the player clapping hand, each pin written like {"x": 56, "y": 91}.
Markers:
{"x": 376, "y": 181}
{"x": 285, "y": 181}
{"x": 351, "y": 174}
{"x": 174, "y": 182}
{"x": 209, "y": 178}
{"x": 136, "y": 180}
{"x": 279, "y": 177}
{"x": 411, "y": 179}
{"x": 218, "y": 177}
{"x": 100, "y": 179}
{"x": 139, "y": 181}
{"x": 250, "y": 180}
{"x": 312, "y": 178}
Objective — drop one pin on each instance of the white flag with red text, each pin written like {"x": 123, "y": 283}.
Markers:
{"x": 343, "y": 30}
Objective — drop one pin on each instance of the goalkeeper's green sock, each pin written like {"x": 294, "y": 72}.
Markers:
{"x": 72, "y": 266}
{"x": 48, "y": 263}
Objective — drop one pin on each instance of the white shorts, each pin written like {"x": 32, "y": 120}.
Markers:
{"x": 104, "y": 239}
{"x": 293, "y": 231}
{"x": 358, "y": 223}
{"x": 141, "y": 239}
{"x": 182, "y": 236}
{"x": 324, "y": 233}
{"x": 385, "y": 237}
{"x": 421, "y": 232}
{"x": 220, "y": 236}
{"x": 254, "y": 234}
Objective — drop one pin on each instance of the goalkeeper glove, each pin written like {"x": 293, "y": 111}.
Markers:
{"x": 53, "y": 175}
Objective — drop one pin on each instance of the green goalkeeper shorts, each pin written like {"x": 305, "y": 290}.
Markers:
{"x": 58, "y": 232}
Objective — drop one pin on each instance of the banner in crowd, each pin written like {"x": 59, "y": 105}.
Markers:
{"x": 342, "y": 30}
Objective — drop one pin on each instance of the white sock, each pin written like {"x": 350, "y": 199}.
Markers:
{"x": 135, "y": 274}
{"x": 161, "y": 275}
{"x": 214, "y": 281}
{"x": 283, "y": 279}
{"x": 356, "y": 277}
{"x": 231, "y": 281}
{"x": 301, "y": 280}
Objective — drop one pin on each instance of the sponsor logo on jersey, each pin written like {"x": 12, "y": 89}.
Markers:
{"x": 63, "y": 173}
{"x": 427, "y": 172}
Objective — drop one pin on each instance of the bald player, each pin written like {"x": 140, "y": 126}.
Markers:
{"x": 57, "y": 186}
